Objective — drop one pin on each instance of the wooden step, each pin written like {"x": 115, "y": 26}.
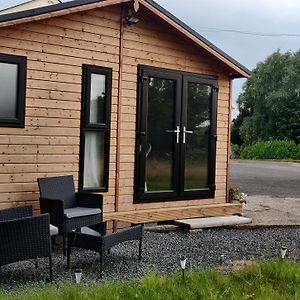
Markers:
{"x": 169, "y": 214}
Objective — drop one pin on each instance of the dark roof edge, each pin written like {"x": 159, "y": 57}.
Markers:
{"x": 76, "y": 3}
{"x": 45, "y": 9}
{"x": 198, "y": 36}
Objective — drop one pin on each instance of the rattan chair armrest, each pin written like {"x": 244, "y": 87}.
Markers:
{"x": 89, "y": 200}
{"x": 47, "y": 204}
{"x": 55, "y": 208}
{"x": 52, "y": 200}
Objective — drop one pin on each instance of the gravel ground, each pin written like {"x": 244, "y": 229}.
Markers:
{"x": 161, "y": 253}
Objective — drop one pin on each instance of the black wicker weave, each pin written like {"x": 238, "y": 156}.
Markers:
{"x": 100, "y": 243}
{"x": 58, "y": 194}
{"x": 24, "y": 237}
{"x": 16, "y": 212}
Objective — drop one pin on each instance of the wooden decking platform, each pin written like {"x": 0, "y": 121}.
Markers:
{"x": 167, "y": 214}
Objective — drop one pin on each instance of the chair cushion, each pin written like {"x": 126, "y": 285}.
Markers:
{"x": 89, "y": 231}
{"x": 76, "y": 212}
{"x": 53, "y": 230}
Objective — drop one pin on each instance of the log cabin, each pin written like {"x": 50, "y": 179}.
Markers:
{"x": 125, "y": 97}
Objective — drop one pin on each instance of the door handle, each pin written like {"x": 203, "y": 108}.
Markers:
{"x": 185, "y": 132}
{"x": 177, "y": 131}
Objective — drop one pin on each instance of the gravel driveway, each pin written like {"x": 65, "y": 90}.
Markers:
{"x": 269, "y": 178}
{"x": 273, "y": 188}
{"x": 161, "y": 253}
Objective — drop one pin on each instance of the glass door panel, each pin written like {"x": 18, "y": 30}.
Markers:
{"x": 196, "y": 136}
{"x": 161, "y": 135}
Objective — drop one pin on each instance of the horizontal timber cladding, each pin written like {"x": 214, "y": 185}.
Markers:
{"x": 56, "y": 48}
{"x": 150, "y": 43}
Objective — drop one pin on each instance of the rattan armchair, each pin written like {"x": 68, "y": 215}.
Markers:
{"x": 68, "y": 210}
{"x": 24, "y": 236}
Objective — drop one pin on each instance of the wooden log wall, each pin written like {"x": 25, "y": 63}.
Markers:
{"x": 49, "y": 144}
{"x": 151, "y": 43}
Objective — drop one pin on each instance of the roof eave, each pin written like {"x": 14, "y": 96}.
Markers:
{"x": 237, "y": 69}
{"x": 54, "y": 10}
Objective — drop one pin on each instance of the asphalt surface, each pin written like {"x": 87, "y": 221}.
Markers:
{"x": 268, "y": 178}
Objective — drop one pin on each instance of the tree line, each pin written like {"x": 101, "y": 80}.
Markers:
{"x": 269, "y": 105}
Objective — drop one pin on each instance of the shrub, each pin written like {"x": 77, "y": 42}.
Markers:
{"x": 272, "y": 150}
{"x": 236, "y": 196}
{"x": 234, "y": 193}
{"x": 235, "y": 151}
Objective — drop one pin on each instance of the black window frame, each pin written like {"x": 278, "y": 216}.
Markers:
{"x": 144, "y": 72}
{"x": 21, "y": 62}
{"x": 86, "y": 126}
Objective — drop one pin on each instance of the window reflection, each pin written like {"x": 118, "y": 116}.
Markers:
{"x": 160, "y": 123}
{"x": 97, "y": 99}
{"x": 8, "y": 90}
{"x": 197, "y": 143}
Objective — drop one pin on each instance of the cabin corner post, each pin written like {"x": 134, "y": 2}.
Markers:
{"x": 229, "y": 140}
{"x": 119, "y": 112}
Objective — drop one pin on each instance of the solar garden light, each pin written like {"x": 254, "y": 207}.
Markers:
{"x": 222, "y": 258}
{"x": 78, "y": 275}
{"x": 183, "y": 265}
{"x": 283, "y": 251}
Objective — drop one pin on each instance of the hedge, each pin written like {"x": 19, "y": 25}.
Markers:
{"x": 272, "y": 150}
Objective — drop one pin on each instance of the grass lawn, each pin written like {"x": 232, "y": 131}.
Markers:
{"x": 265, "y": 280}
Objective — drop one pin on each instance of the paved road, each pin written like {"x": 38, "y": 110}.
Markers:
{"x": 275, "y": 179}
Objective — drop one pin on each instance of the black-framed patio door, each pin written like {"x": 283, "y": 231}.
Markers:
{"x": 198, "y": 148}
{"x": 175, "y": 143}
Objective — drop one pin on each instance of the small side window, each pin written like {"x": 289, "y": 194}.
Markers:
{"x": 95, "y": 128}
{"x": 12, "y": 90}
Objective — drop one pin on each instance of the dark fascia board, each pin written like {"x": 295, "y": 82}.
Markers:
{"x": 76, "y": 3}
{"x": 198, "y": 36}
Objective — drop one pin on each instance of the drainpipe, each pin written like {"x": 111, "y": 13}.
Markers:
{"x": 229, "y": 139}
{"x": 119, "y": 113}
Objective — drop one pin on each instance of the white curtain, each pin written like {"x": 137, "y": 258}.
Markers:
{"x": 93, "y": 160}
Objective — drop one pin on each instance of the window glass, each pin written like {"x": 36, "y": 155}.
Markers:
{"x": 8, "y": 90}
{"x": 97, "y": 98}
{"x": 197, "y": 136}
{"x": 160, "y": 135}
{"x": 94, "y": 160}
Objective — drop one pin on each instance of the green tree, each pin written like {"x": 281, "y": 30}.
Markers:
{"x": 236, "y": 138}
{"x": 270, "y": 102}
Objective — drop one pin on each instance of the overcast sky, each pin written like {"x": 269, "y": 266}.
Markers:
{"x": 264, "y": 26}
